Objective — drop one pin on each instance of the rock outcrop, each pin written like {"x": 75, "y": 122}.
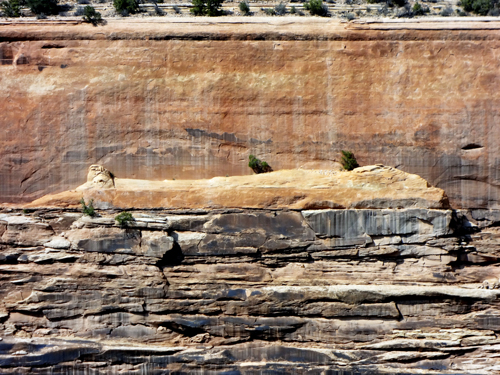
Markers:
{"x": 372, "y": 291}
{"x": 192, "y": 99}
{"x": 100, "y": 177}
{"x": 373, "y": 186}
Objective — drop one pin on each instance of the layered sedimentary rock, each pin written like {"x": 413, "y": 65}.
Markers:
{"x": 374, "y": 186}
{"x": 250, "y": 291}
{"x": 158, "y": 100}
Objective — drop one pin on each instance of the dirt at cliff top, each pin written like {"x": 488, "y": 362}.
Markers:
{"x": 365, "y": 187}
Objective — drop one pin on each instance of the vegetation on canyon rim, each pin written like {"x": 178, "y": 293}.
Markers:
{"x": 12, "y": 8}
{"x": 126, "y": 7}
{"x": 211, "y": 8}
{"x": 397, "y": 8}
{"x": 481, "y": 7}
{"x": 90, "y": 15}
{"x": 244, "y": 8}
{"x": 316, "y": 8}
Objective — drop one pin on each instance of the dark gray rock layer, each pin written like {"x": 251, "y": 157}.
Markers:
{"x": 250, "y": 292}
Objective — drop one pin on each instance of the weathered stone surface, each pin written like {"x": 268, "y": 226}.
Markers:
{"x": 156, "y": 244}
{"x": 141, "y": 96}
{"x": 349, "y": 223}
{"x": 375, "y": 186}
{"x": 100, "y": 177}
{"x": 58, "y": 243}
{"x": 27, "y": 234}
{"x": 249, "y": 285}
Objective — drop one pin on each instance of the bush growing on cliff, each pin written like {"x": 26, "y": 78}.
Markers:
{"x": 42, "y": 6}
{"x": 90, "y": 15}
{"x": 348, "y": 161}
{"x": 88, "y": 209}
{"x": 280, "y": 9}
{"x": 244, "y": 8}
{"x": 124, "y": 218}
{"x": 11, "y": 8}
{"x": 269, "y": 11}
{"x": 481, "y": 7}
{"x": 258, "y": 166}
{"x": 211, "y": 8}
{"x": 419, "y": 10}
{"x": 316, "y": 8}
{"x": 125, "y": 7}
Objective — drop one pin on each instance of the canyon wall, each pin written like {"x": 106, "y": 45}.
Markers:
{"x": 192, "y": 99}
{"x": 237, "y": 291}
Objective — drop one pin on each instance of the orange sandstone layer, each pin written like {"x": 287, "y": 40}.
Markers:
{"x": 191, "y": 99}
{"x": 365, "y": 187}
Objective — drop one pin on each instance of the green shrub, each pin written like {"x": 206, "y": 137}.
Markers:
{"x": 91, "y": 16}
{"x": 448, "y": 11}
{"x": 244, "y": 8}
{"x": 350, "y": 16}
{"x": 199, "y": 8}
{"x": 293, "y": 10}
{"x": 280, "y": 9}
{"x": 43, "y": 6}
{"x": 11, "y": 8}
{"x": 126, "y": 7}
{"x": 417, "y": 9}
{"x": 88, "y": 209}
{"x": 316, "y": 8}
{"x": 481, "y": 7}
{"x": 124, "y": 218}
{"x": 269, "y": 11}
{"x": 211, "y": 8}
{"x": 258, "y": 166}
{"x": 348, "y": 161}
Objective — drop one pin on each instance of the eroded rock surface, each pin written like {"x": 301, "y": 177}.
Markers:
{"x": 100, "y": 177}
{"x": 241, "y": 291}
{"x": 193, "y": 99}
{"x": 374, "y": 186}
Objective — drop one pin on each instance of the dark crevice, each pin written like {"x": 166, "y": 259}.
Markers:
{"x": 171, "y": 258}
{"x": 471, "y": 146}
{"x": 49, "y": 46}
{"x": 183, "y": 329}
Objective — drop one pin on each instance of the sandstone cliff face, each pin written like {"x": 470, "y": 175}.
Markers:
{"x": 250, "y": 291}
{"x": 194, "y": 99}
{"x": 373, "y": 186}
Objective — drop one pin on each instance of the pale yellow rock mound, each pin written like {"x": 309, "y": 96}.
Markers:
{"x": 366, "y": 187}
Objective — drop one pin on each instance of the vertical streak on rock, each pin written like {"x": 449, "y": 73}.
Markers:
{"x": 331, "y": 125}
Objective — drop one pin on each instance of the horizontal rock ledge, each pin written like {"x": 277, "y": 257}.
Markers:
{"x": 370, "y": 187}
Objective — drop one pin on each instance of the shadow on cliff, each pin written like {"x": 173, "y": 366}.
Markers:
{"x": 171, "y": 258}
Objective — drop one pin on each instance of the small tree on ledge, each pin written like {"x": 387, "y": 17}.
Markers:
{"x": 258, "y": 166}
{"x": 348, "y": 161}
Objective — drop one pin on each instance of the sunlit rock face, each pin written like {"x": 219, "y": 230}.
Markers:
{"x": 374, "y": 186}
{"x": 168, "y": 100}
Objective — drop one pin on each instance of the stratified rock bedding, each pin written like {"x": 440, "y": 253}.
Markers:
{"x": 193, "y": 98}
{"x": 374, "y": 186}
{"x": 234, "y": 291}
